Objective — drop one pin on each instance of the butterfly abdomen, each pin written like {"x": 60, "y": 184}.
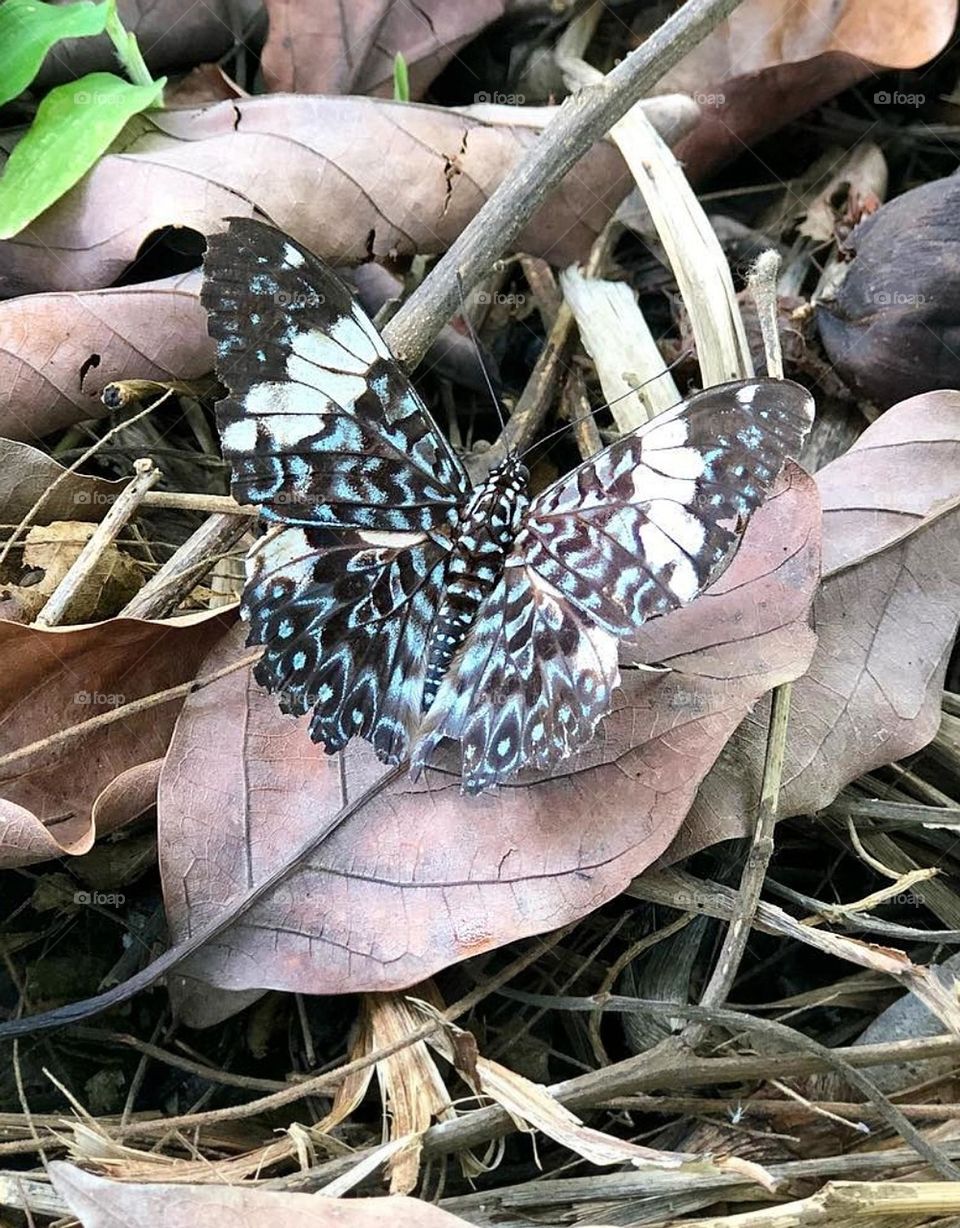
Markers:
{"x": 483, "y": 540}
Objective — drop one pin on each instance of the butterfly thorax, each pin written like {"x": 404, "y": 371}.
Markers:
{"x": 482, "y": 541}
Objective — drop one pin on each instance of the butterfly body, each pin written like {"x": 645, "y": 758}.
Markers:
{"x": 398, "y": 603}
{"x": 483, "y": 540}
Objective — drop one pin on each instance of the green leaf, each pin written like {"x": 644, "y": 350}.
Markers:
{"x": 401, "y": 79}
{"x": 28, "y": 29}
{"x": 74, "y": 124}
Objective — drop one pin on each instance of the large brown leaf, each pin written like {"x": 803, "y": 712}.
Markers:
{"x": 57, "y": 351}
{"x": 773, "y": 60}
{"x": 99, "y": 1203}
{"x": 53, "y": 679}
{"x": 316, "y": 168}
{"x": 422, "y": 877}
{"x": 349, "y": 49}
{"x": 886, "y": 617}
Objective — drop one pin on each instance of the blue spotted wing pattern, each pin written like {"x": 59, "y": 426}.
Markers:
{"x": 325, "y": 433}
{"x": 633, "y": 533}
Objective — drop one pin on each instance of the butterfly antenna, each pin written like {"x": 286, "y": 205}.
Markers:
{"x": 606, "y": 405}
{"x": 476, "y": 345}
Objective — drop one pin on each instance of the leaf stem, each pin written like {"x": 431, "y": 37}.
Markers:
{"x": 128, "y": 49}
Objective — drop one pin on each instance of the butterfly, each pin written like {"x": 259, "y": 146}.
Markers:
{"x": 399, "y": 603}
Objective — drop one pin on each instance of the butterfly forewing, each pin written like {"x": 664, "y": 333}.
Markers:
{"x": 646, "y": 525}
{"x": 321, "y": 426}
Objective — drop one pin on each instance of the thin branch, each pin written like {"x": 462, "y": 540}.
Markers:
{"x": 583, "y": 119}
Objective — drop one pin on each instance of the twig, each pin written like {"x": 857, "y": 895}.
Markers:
{"x": 739, "y": 1021}
{"x": 520, "y": 1203}
{"x": 16, "y": 757}
{"x": 332, "y": 1079}
{"x": 31, "y": 515}
{"x": 184, "y": 569}
{"x": 584, "y": 118}
{"x": 848, "y": 1202}
{"x": 184, "y": 502}
{"x": 644, "y": 1073}
{"x": 758, "y": 860}
{"x": 681, "y": 890}
{"x": 123, "y": 508}
{"x": 764, "y": 285}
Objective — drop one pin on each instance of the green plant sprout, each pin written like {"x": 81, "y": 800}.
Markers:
{"x": 77, "y": 121}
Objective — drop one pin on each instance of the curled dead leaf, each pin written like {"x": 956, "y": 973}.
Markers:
{"x": 54, "y": 679}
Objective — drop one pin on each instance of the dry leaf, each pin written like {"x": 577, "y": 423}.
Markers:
{"x": 349, "y": 49}
{"x": 57, "y": 351}
{"x": 26, "y": 478}
{"x": 49, "y": 551}
{"x": 57, "y": 678}
{"x": 421, "y": 877}
{"x": 773, "y": 60}
{"x": 886, "y": 616}
{"x": 99, "y": 1203}
{"x": 315, "y": 167}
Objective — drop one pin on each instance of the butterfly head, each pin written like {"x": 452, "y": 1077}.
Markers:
{"x": 510, "y": 474}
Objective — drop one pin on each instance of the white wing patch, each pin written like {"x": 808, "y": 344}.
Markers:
{"x": 279, "y": 397}
{"x": 323, "y": 351}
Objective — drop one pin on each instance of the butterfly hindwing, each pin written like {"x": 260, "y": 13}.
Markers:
{"x": 346, "y": 619}
{"x": 528, "y": 687}
{"x": 321, "y": 426}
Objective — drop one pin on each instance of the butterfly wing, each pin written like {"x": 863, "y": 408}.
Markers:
{"x": 346, "y": 618}
{"x": 636, "y": 531}
{"x": 321, "y": 426}
{"x": 325, "y": 433}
